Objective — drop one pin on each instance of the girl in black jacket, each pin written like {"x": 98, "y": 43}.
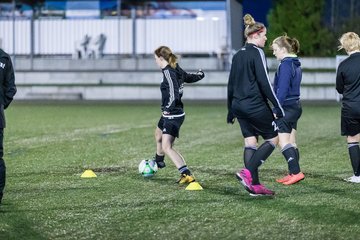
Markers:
{"x": 172, "y": 109}
{"x": 249, "y": 94}
{"x": 7, "y": 93}
{"x": 348, "y": 84}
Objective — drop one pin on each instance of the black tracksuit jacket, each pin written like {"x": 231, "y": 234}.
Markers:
{"x": 348, "y": 84}
{"x": 172, "y": 87}
{"x": 249, "y": 87}
{"x": 7, "y": 84}
{"x": 7, "y": 92}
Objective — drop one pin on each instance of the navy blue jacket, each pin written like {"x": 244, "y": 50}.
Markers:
{"x": 287, "y": 81}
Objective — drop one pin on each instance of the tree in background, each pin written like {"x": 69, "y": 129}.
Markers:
{"x": 343, "y": 16}
{"x": 302, "y": 20}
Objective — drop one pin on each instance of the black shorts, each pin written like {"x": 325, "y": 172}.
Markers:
{"x": 289, "y": 122}
{"x": 171, "y": 126}
{"x": 350, "y": 126}
{"x": 259, "y": 124}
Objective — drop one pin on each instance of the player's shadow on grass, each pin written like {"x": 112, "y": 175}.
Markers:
{"x": 226, "y": 184}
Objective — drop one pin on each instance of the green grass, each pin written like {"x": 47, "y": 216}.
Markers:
{"x": 48, "y": 146}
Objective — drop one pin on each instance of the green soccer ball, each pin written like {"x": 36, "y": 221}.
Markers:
{"x": 147, "y": 168}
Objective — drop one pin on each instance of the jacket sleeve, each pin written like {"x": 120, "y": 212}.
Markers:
{"x": 284, "y": 79}
{"x": 264, "y": 84}
{"x": 230, "y": 88}
{"x": 339, "y": 81}
{"x": 191, "y": 77}
{"x": 173, "y": 90}
{"x": 9, "y": 83}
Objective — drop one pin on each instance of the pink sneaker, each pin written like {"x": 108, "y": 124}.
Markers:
{"x": 244, "y": 176}
{"x": 261, "y": 190}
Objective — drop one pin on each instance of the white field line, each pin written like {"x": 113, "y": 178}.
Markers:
{"x": 76, "y": 134}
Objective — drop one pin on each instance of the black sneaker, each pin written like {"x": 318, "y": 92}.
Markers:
{"x": 161, "y": 164}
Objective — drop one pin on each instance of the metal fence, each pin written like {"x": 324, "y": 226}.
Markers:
{"x": 123, "y": 36}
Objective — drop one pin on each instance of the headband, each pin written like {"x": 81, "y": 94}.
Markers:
{"x": 258, "y": 31}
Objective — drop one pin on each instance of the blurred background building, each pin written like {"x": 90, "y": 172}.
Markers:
{"x": 103, "y": 49}
{"x": 131, "y": 28}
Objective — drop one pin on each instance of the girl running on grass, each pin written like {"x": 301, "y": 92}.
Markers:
{"x": 172, "y": 109}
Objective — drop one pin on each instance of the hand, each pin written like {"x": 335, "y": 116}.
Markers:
{"x": 165, "y": 113}
{"x": 277, "y": 113}
{"x": 200, "y": 74}
{"x": 279, "y": 122}
{"x": 230, "y": 118}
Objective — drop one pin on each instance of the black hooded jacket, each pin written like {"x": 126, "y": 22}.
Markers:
{"x": 7, "y": 84}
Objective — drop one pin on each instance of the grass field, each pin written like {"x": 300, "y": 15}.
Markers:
{"x": 48, "y": 146}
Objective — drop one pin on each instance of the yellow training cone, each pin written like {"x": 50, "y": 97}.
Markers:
{"x": 194, "y": 186}
{"x": 88, "y": 174}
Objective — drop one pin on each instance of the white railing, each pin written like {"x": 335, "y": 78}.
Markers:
{"x": 21, "y": 30}
{"x": 58, "y": 36}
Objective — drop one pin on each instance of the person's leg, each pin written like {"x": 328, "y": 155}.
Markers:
{"x": 350, "y": 127}
{"x": 291, "y": 155}
{"x": 354, "y": 153}
{"x": 249, "y": 149}
{"x": 289, "y": 152}
{"x": 160, "y": 155}
{"x": 2, "y": 165}
{"x": 284, "y": 143}
{"x": 261, "y": 154}
{"x": 288, "y": 145}
{"x": 167, "y": 146}
{"x": 260, "y": 123}
{"x": 293, "y": 142}
{"x": 250, "y": 140}
{"x": 295, "y": 116}
{"x": 249, "y": 176}
{"x": 177, "y": 159}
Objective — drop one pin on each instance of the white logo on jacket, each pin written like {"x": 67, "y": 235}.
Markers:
{"x": 2, "y": 65}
